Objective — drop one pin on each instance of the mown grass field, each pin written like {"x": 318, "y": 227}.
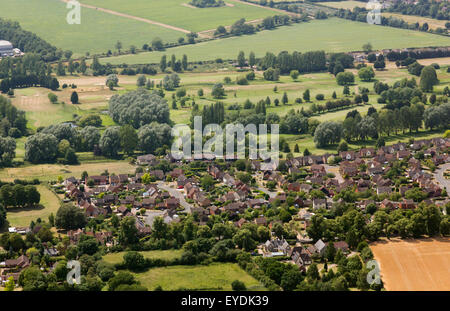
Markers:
{"x": 170, "y": 254}
{"x": 21, "y": 217}
{"x": 212, "y": 277}
{"x": 178, "y": 12}
{"x": 331, "y": 35}
{"x": 98, "y": 31}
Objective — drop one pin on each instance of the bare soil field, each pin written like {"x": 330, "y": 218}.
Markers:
{"x": 414, "y": 264}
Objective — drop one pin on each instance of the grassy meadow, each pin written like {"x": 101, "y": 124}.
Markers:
{"x": 180, "y": 14}
{"x": 94, "y": 98}
{"x": 212, "y": 277}
{"x": 170, "y": 254}
{"x": 315, "y": 35}
{"x": 97, "y": 33}
{"x": 21, "y": 217}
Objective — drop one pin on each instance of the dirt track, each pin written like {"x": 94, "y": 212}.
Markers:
{"x": 148, "y": 21}
{"x": 414, "y": 265}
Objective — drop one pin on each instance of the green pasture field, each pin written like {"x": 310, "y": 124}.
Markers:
{"x": 178, "y": 13}
{"x": 97, "y": 33}
{"x": 114, "y": 258}
{"x": 21, "y": 217}
{"x": 331, "y": 35}
{"x": 216, "y": 276}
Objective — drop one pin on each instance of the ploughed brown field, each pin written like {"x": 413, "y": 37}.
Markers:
{"x": 414, "y": 264}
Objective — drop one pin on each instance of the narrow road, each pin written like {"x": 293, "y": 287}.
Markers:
{"x": 266, "y": 7}
{"x": 177, "y": 194}
{"x": 272, "y": 194}
{"x": 145, "y": 20}
{"x": 440, "y": 178}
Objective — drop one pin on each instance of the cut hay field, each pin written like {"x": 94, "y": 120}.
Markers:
{"x": 414, "y": 265}
{"x": 98, "y": 31}
{"x": 178, "y": 13}
{"x": 170, "y": 254}
{"x": 344, "y": 4}
{"x": 212, "y": 277}
{"x": 315, "y": 35}
{"x": 21, "y": 217}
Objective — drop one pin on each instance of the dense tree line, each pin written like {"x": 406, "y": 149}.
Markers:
{"x": 27, "y": 41}
{"x": 13, "y": 122}
{"x": 19, "y": 195}
{"x": 207, "y": 3}
{"x": 418, "y": 54}
{"x": 302, "y": 62}
{"x": 360, "y": 15}
{"x": 26, "y": 71}
{"x": 424, "y": 8}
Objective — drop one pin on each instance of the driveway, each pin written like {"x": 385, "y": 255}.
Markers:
{"x": 334, "y": 170}
{"x": 177, "y": 194}
{"x": 151, "y": 215}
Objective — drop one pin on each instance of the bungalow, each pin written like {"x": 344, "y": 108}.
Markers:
{"x": 158, "y": 174}
{"x": 387, "y": 204}
{"x": 172, "y": 203}
{"x": 98, "y": 180}
{"x": 16, "y": 264}
{"x": 148, "y": 159}
{"x": 320, "y": 247}
{"x": 305, "y": 188}
{"x": 407, "y": 204}
{"x": 260, "y": 221}
{"x": 341, "y": 245}
{"x": 348, "y": 168}
{"x": 228, "y": 180}
{"x": 347, "y": 155}
{"x": 403, "y": 154}
{"x": 366, "y": 152}
{"x": 240, "y": 222}
{"x": 295, "y": 186}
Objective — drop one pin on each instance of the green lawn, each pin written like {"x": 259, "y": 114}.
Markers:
{"x": 23, "y": 216}
{"x": 216, "y": 276}
{"x": 177, "y": 13}
{"x": 331, "y": 35}
{"x": 171, "y": 254}
{"x": 98, "y": 31}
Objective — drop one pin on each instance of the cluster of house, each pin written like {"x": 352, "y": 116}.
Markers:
{"x": 299, "y": 254}
{"x": 13, "y": 267}
{"x": 122, "y": 195}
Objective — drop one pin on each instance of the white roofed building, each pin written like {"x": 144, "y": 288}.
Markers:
{"x": 6, "y": 48}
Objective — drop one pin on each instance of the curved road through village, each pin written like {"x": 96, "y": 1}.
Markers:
{"x": 440, "y": 178}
